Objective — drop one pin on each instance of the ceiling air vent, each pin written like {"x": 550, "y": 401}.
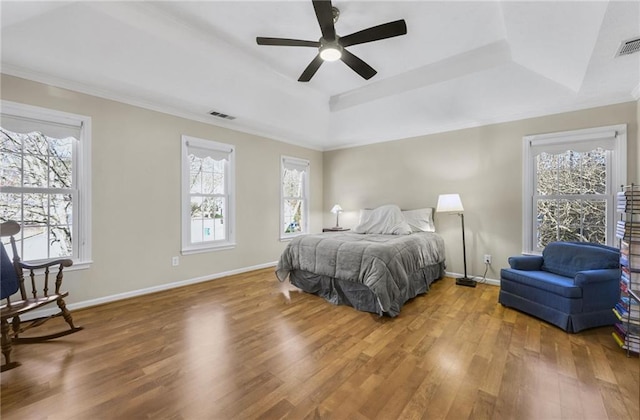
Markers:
{"x": 221, "y": 115}
{"x": 629, "y": 46}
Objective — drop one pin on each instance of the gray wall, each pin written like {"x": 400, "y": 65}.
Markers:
{"x": 136, "y": 194}
{"x": 483, "y": 165}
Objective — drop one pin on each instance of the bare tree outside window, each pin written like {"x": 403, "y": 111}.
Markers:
{"x": 570, "y": 196}
{"x": 293, "y": 193}
{"x": 207, "y": 190}
{"x": 37, "y": 191}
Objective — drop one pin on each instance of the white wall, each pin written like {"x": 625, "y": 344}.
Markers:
{"x": 136, "y": 194}
{"x": 483, "y": 165}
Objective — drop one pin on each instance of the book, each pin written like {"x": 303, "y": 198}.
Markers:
{"x": 630, "y": 305}
{"x": 622, "y": 316}
{"x": 627, "y": 225}
{"x": 624, "y": 227}
{"x": 628, "y": 209}
{"x": 618, "y": 339}
{"x": 633, "y": 331}
{"x": 631, "y": 346}
{"x": 630, "y": 261}
{"x": 625, "y": 313}
{"x": 634, "y": 347}
{"x": 635, "y": 272}
{"x": 630, "y": 273}
{"x": 633, "y": 190}
{"x": 623, "y": 336}
{"x": 630, "y": 249}
{"x": 626, "y": 230}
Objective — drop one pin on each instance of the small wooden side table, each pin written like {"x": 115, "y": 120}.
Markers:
{"x": 335, "y": 229}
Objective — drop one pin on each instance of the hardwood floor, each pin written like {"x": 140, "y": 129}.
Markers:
{"x": 236, "y": 348}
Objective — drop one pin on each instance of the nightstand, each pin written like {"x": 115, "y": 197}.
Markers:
{"x": 335, "y": 229}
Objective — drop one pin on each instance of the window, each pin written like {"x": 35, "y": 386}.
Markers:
{"x": 294, "y": 210}
{"x": 45, "y": 181}
{"x": 207, "y": 195}
{"x": 570, "y": 181}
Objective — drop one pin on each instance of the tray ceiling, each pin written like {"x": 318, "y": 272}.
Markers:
{"x": 461, "y": 64}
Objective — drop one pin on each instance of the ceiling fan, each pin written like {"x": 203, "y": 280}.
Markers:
{"x": 331, "y": 47}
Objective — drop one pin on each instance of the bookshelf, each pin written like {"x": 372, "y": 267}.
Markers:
{"x": 627, "y": 330}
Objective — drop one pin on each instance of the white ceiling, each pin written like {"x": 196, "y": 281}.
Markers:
{"x": 461, "y": 64}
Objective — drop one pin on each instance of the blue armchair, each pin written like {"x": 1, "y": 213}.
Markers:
{"x": 573, "y": 285}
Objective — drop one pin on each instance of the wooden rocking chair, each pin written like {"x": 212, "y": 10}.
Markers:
{"x": 12, "y": 280}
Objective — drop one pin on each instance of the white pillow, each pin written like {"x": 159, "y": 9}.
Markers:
{"x": 386, "y": 220}
{"x": 420, "y": 220}
{"x": 364, "y": 215}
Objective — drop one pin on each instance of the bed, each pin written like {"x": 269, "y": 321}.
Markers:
{"x": 389, "y": 258}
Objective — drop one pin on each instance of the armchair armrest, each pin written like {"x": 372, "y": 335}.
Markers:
{"x": 526, "y": 262}
{"x": 583, "y": 278}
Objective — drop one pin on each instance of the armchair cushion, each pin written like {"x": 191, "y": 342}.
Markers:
{"x": 549, "y": 282}
{"x": 568, "y": 258}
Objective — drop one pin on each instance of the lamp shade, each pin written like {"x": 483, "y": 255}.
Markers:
{"x": 449, "y": 203}
{"x": 336, "y": 209}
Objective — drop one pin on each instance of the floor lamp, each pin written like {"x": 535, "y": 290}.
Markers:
{"x": 451, "y": 203}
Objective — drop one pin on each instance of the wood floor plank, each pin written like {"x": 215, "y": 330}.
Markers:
{"x": 249, "y": 347}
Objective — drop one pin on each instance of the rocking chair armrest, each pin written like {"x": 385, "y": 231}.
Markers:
{"x": 62, "y": 262}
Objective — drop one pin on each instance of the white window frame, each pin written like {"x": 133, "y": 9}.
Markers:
{"x": 612, "y": 138}
{"x": 301, "y": 163}
{"x": 189, "y": 247}
{"x": 81, "y": 173}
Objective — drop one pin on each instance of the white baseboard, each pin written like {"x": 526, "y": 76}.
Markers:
{"x": 181, "y": 283}
{"x": 146, "y": 291}
{"x": 492, "y": 282}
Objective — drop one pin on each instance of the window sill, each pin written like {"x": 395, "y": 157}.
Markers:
{"x": 200, "y": 250}
{"x": 77, "y": 265}
{"x": 80, "y": 265}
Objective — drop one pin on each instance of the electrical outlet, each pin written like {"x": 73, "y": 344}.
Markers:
{"x": 487, "y": 258}
{"x": 175, "y": 261}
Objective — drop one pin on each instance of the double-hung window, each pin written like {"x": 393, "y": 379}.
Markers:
{"x": 45, "y": 181}
{"x": 208, "y": 199}
{"x": 570, "y": 181}
{"x": 294, "y": 211}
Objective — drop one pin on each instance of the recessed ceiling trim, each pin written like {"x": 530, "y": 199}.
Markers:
{"x": 479, "y": 59}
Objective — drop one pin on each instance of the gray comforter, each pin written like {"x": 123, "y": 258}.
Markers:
{"x": 383, "y": 263}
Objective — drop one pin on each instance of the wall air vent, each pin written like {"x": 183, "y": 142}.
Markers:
{"x": 221, "y": 115}
{"x": 629, "y": 46}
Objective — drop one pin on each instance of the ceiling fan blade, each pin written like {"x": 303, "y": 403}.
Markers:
{"x": 324, "y": 13}
{"x": 287, "y": 42}
{"x": 311, "y": 69}
{"x": 357, "y": 65}
{"x": 375, "y": 33}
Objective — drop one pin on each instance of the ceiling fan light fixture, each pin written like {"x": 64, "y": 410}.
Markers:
{"x": 331, "y": 52}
